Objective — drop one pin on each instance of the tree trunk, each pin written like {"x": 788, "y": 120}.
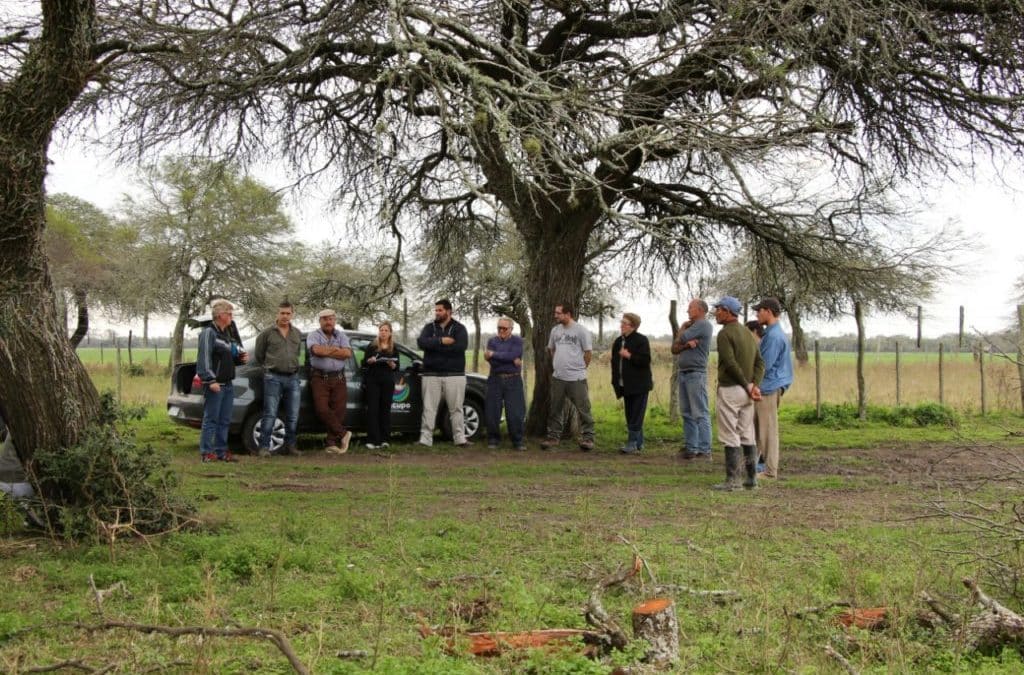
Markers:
{"x": 862, "y": 394}
{"x": 655, "y": 621}
{"x": 556, "y": 256}
{"x": 476, "y": 334}
{"x": 178, "y": 336}
{"x": 82, "y": 303}
{"x": 799, "y": 339}
{"x": 46, "y": 395}
{"x": 145, "y": 329}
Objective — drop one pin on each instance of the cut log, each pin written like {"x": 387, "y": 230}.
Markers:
{"x": 870, "y": 618}
{"x": 995, "y": 627}
{"x": 655, "y": 621}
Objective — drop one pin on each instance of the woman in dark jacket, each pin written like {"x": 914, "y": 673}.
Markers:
{"x": 380, "y": 361}
{"x": 632, "y": 379}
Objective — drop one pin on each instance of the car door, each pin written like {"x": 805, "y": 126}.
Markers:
{"x": 406, "y": 401}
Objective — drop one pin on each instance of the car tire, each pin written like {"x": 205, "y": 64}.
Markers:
{"x": 473, "y": 417}
{"x": 251, "y": 433}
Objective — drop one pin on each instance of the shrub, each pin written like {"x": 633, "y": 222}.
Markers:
{"x": 108, "y": 478}
{"x": 844, "y": 415}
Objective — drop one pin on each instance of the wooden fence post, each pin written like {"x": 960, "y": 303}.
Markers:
{"x": 919, "y": 318}
{"x": 898, "y": 374}
{"x": 862, "y": 388}
{"x": 117, "y": 348}
{"x": 960, "y": 337}
{"x": 942, "y": 378}
{"x": 817, "y": 380}
{"x": 673, "y": 387}
{"x": 1020, "y": 353}
{"x": 981, "y": 371}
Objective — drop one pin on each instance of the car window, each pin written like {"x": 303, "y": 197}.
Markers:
{"x": 405, "y": 359}
{"x": 359, "y": 346}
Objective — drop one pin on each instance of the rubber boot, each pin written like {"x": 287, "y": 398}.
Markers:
{"x": 733, "y": 462}
{"x": 750, "y": 464}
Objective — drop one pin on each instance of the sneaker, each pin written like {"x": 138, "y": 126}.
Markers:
{"x": 333, "y": 450}
{"x": 343, "y": 446}
{"x": 208, "y": 457}
{"x": 626, "y": 450}
{"x": 385, "y": 444}
{"x": 263, "y": 452}
{"x": 425, "y": 445}
{"x": 492, "y": 446}
{"x": 372, "y": 446}
{"x": 688, "y": 455}
{"x": 521, "y": 447}
{"x": 549, "y": 443}
{"x": 227, "y": 457}
{"x": 586, "y": 445}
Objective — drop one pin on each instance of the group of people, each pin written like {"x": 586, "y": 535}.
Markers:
{"x": 754, "y": 371}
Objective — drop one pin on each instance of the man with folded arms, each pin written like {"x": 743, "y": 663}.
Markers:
{"x": 329, "y": 352}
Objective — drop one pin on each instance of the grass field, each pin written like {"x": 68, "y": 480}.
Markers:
{"x": 360, "y": 552}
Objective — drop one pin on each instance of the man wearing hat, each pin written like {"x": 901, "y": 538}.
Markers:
{"x": 778, "y": 376}
{"x": 740, "y": 369}
{"x": 692, "y": 344}
{"x": 330, "y": 350}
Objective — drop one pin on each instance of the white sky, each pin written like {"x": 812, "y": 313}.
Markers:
{"x": 987, "y": 208}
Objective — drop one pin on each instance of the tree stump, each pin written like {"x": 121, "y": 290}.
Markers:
{"x": 655, "y": 621}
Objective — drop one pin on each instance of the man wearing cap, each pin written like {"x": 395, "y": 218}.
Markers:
{"x": 277, "y": 350}
{"x": 692, "y": 345}
{"x": 443, "y": 341}
{"x": 778, "y": 376}
{"x": 329, "y": 352}
{"x": 740, "y": 369}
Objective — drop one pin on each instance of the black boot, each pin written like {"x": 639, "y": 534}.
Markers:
{"x": 750, "y": 460}
{"x": 733, "y": 462}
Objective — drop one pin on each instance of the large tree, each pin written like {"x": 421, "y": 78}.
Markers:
{"x": 45, "y": 64}
{"x": 653, "y": 129}
{"x": 207, "y": 231}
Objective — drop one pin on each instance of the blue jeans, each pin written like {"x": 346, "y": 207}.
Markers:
{"x": 276, "y": 387}
{"x": 213, "y": 439}
{"x": 635, "y": 406}
{"x": 693, "y": 403}
{"x": 510, "y": 391}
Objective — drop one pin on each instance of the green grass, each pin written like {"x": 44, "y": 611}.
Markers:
{"x": 358, "y": 552}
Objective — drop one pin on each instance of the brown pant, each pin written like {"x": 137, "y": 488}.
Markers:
{"x": 330, "y": 396}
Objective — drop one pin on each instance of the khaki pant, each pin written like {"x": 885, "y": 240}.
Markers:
{"x": 768, "y": 431}
{"x": 735, "y": 413}
{"x": 453, "y": 389}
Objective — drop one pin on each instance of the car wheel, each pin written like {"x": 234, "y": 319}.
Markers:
{"x": 251, "y": 433}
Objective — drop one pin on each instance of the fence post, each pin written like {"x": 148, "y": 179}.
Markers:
{"x": 898, "y": 382}
{"x": 118, "y": 365}
{"x": 942, "y": 379}
{"x": 981, "y": 371}
{"x": 101, "y": 350}
{"x": 817, "y": 380}
{"x": 1020, "y": 353}
{"x": 673, "y": 387}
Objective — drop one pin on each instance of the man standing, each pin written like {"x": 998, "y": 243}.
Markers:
{"x": 330, "y": 351}
{"x": 277, "y": 350}
{"x": 778, "y": 376}
{"x": 218, "y": 354}
{"x": 505, "y": 386}
{"x": 692, "y": 345}
{"x": 740, "y": 370}
{"x": 443, "y": 341}
{"x": 570, "y": 348}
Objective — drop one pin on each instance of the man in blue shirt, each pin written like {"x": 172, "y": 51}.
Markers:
{"x": 692, "y": 346}
{"x": 505, "y": 386}
{"x": 778, "y": 376}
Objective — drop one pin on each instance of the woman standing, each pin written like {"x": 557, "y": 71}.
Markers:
{"x": 219, "y": 351}
{"x": 632, "y": 379}
{"x": 380, "y": 361}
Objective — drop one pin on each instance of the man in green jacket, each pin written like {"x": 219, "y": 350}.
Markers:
{"x": 740, "y": 369}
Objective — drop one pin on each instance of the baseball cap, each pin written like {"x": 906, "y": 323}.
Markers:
{"x": 731, "y": 304}
{"x": 771, "y": 304}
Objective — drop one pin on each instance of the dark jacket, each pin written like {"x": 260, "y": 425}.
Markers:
{"x": 380, "y": 371}
{"x": 441, "y": 359}
{"x": 217, "y": 355}
{"x": 635, "y": 371}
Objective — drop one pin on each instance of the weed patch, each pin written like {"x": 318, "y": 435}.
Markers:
{"x": 844, "y": 416}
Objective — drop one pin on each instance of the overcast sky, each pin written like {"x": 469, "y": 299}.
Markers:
{"x": 988, "y": 208}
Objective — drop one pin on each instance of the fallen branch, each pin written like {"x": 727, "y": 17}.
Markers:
{"x": 100, "y": 594}
{"x": 807, "y": 611}
{"x": 718, "y": 596}
{"x": 276, "y": 637}
{"x": 940, "y": 610}
{"x": 595, "y": 614}
{"x": 995, "y": 628}
{"x": 76, "y": 665}
{"x": 352, "y": 654}
{"x": 840, "y": 659}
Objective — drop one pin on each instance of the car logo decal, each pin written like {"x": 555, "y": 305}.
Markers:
{"x": 401, "y": 392}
